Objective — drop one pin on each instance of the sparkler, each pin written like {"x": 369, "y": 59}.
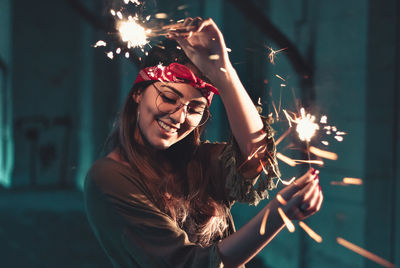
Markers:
{"x": 134, "y": 34}
{"x": 305, "y": 126}
{"x": 365, "y": 253}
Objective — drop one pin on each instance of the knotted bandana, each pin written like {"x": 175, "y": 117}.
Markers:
{"x": 177, "y": 73}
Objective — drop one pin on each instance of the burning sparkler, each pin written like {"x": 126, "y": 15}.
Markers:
{"x": 134, "y": 34}
{"x": 305, "y": 126}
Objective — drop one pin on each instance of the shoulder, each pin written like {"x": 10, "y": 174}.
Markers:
{"x": 108, "y": 175}
{"x": 106, "y": 167}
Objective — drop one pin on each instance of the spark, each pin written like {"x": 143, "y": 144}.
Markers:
{"x": 281, "y": 200}
{"x": 286, "y": 159}
{"x": 214, "y": 57}
{"x": 287, "y": 182}
{"x": 288, "y": 223}
{"x": 276, "y": 112}
{"x": 338, "y": 183}
{"x": 100, "y": 43}
{"x": 283, "y": 136}
{"x": 119, "y": 15}
{"x": 323, "y": 153}
{"x": 134, "y": 34}
{"x": 127, "y": 1}
{"x": 325, "y": 143}
{"x": 306, "y": 126}
{"x": 127, "y": 55}
{"x": 254, "y": 154}
{"x": 118, "y": 51}
{"x": 365, "y": 253}
{"x": 228, "y": 49}
{"x": 182, "y": 7}
{"x": 340, "y": 133}
{"x": 256, "y": 151}
{"x": 283, "y": 85}
{"x": 339, "y": 138}
{"x": 355, "y": 181}
{"x": 317, "y": 162}
{"x": 280, "y": 77}
{"x": 112, "y": 11}
{"x": 289, "y": 119}
{"x": 324, "y": 119}
{"x": 110, "y": 55}
{"x": 272, "y": 54}
{"x": 223, "y": 70}
{"x": 310, "y": 232}
{"x": 161, "y": 16}
{"x": 148, "y": 17}
{"x": 264, "y": 222}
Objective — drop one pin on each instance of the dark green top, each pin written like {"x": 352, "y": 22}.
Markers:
{"x": 136, "y": 233}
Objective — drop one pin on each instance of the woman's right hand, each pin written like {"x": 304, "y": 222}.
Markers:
{"x": 304, "y": 196}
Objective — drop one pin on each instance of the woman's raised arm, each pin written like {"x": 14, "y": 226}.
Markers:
{"x": 204, "y": 44}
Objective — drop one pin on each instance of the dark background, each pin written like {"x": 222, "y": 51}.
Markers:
{"x": 59, "y": 96}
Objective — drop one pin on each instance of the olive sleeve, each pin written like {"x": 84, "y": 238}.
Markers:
{"x": 131, "y": 229}
{"x": 224, "y": 161}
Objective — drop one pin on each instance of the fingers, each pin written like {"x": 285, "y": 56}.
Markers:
{"x": 310, "y": 199}
{"x": 311, "y": 205}
{"x": 320, "y": 199}
{"x": 299, "y": 184}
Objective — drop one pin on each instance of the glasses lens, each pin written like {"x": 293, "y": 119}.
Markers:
{"x": 169, "y": 102}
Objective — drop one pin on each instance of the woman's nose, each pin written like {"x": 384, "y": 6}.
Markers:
{"x": 179, "y": 116}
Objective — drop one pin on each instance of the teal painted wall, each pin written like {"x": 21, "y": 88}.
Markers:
{"x": 6, "y": 128}
{"x": 62, "y": 96}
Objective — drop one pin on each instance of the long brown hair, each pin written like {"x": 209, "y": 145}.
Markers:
{"x": 177, "y": 183}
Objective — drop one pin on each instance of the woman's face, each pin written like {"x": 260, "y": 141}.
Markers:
{"x": 162, "y": 129}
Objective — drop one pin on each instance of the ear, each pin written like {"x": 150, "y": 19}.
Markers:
{"x": 137, "y": 96}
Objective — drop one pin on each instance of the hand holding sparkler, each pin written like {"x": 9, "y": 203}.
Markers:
{"x": 204, "y": 44}
{"x": 303, "y": 197}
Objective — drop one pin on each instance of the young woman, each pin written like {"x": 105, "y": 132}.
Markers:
{"x": 162, "y": 198}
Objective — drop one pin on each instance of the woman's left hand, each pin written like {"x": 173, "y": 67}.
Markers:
{"x": 204, "y": 44}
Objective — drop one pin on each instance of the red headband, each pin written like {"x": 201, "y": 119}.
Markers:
{"x": 178, "y": 73}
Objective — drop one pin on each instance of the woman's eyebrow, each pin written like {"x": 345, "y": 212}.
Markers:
{"x": 174, "y": 90}
{"x": 198, "y": 102}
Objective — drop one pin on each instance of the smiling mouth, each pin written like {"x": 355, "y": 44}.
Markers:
{"x": 166, "y": 127}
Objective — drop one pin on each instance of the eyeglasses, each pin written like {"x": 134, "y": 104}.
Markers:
{"x": 169, "y": 102}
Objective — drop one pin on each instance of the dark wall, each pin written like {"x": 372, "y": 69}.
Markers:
{"x": 65, "y": 95}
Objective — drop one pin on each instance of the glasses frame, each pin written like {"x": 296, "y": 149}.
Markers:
{"x": 203, "y": 118}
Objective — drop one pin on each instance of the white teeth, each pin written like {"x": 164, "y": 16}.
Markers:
{"x": 165, "y": 126}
